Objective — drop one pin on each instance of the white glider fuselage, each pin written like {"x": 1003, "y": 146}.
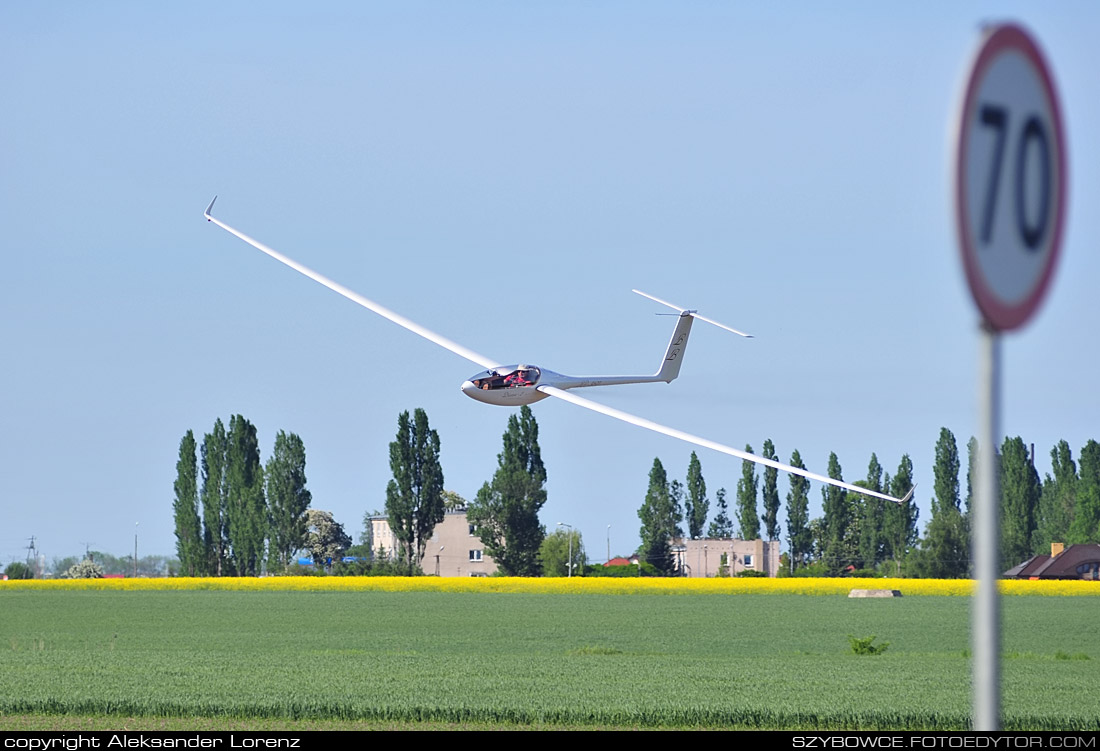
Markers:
{"x": 494, "y": 387}
{"x": 513, "y": 385}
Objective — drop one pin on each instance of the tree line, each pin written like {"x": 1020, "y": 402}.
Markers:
{"x": 105, "y": 565}
{"x": 235, "y": 516}
{"x": 242, "y": 514}
{"x": 872, "y": 536}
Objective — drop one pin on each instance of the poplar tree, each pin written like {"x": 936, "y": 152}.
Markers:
{"x": 1057, "y": 500}
{"x": 871, "y": 512}
{"x": 799, "y": 537}
{"x": 506, "y": 510}
{"x": 676, "y": 497}
{"x": 900, "y": 519}
{"x": 946, "y": 471}
{"x": 771, "y": 493}
{"x": 414, "y": 497}
{"x": 215, "y": 536}
{"x": 287, "y": 498}
{"x": 747, "y": 518}
{"x": 721, "y": 527}
{"x": 945, "y": 550}
{"x": 185, "y": 509}
{"x": 659, "y": 521}
{"x": 837, "y": 518}
{"x": 1086, "y": 514}
{"x": 246, "y": 510}
{"x": 1020, "y": 492}
{"x": 696, "y": 504}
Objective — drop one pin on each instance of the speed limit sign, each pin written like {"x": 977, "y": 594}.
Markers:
{"x": 1010, "y": 180}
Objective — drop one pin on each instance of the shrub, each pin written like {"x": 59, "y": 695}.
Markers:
{"x": 622, "y": 572}
{"x": 723, "y": 566}
{"x": 861, "y": 645}
{"x": 596, "y": 650}
{"x": 813, "y": 570}
{"x": 377, "y": 567}
{"x": 17, "y": 570}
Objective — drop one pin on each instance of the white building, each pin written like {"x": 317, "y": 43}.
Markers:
{"x": 703, "y": 558}
{"x": 453, "y": 550}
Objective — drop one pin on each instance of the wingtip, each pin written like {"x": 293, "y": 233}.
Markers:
{"x": 209, "y": 209}
{"x": 909, "y": 496}
{"x": 730, "y": 329}
{"x": 659, "y": 300}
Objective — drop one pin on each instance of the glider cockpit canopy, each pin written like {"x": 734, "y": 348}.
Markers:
{"x": 507, "y": 377}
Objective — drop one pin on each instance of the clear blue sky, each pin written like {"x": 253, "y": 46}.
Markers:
{"x": 504, "y": 174}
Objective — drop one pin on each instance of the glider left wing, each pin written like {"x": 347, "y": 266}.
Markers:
{"x": 355, "y": 297}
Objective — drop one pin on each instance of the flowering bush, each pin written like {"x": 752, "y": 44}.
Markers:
{"x": 86, "y": 569}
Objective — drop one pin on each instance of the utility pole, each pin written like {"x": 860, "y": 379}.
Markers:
{"x": 32, "y": 558}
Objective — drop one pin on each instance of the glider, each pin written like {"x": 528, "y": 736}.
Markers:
{"x": 512, "y": 385}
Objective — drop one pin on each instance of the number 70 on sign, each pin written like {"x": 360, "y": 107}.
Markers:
{"x": 1010, "y": 177}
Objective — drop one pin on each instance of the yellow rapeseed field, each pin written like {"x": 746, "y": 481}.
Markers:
{"x": 577, "y": 585}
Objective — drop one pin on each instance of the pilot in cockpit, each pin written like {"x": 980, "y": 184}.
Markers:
{"x": 518, "y": 378}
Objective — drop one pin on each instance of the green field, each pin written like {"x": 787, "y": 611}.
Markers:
{"x": 747, "y": 661}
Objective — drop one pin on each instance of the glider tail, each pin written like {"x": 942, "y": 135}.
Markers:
{"x": 674, "y": 356}
{"x": 677, "y": 345}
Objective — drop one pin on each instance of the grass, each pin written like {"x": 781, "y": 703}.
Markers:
{"x": 394, "y": 659}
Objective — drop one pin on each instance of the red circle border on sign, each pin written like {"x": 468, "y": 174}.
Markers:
{"x": 999, "y": 316}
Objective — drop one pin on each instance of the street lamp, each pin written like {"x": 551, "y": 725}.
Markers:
{"x": 437, "y": 559}
{"x": 570, "y": 527}
{"x": 608, "y": 542}
{"x": 135, "y": 547}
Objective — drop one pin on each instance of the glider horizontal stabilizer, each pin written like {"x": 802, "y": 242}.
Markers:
{"x": 692, "y": 313}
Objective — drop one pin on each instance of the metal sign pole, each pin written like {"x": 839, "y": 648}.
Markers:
{"x": 985, "y": 617}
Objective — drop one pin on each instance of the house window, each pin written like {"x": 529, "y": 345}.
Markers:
{"x": 473, "y": 530}
{"x": 1089, "y": 570}
{"x": 475, "y": 555}
{"x": 748, "y": 561}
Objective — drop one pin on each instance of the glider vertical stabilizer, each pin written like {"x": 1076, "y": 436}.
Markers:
{"x": 677, "y": 345}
